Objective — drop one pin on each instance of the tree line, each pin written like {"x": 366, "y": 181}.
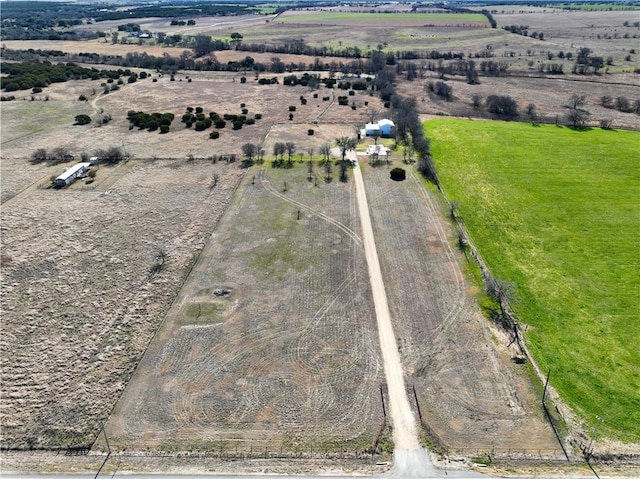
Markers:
{"x": 28, "y": 75}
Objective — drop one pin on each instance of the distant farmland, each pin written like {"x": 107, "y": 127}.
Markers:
{"x": 383, "y": 19}
{"x": 557, "y": 212}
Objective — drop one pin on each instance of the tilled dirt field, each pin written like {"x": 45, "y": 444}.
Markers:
{"x": 271, "y": 344}
{"x": 469, "y": 393}
{"x": 80, "y": 301}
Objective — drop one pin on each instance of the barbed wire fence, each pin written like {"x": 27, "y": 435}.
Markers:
{"x": 508, "y": 320}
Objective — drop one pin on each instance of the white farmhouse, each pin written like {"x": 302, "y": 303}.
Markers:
{"x": 384, "y": 128}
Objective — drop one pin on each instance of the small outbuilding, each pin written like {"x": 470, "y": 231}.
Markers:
{"x": 71, "y": 174}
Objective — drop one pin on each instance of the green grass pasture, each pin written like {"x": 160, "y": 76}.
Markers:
{"x": 557, "y": 212}
{"x": 361, "y": 18}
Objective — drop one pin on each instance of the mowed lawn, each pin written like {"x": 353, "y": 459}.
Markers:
{"x": 557, "y": 212}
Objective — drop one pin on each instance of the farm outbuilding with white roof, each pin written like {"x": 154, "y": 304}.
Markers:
{"x": 385, "y": 128}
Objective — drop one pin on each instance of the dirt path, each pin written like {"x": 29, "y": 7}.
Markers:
{"x": 405, "y": 433}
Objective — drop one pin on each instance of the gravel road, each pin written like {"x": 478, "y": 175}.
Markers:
{"x": 410, "y": 459}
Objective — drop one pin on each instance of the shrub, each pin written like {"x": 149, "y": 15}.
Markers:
{"x": 310, "y": 132}
{"x": 398, "y": 174}
{"x": 201, "y": 125}
{"x": 250, "y": 121}
{"x": 292, "y": 108}
{"x": 502, "y": 105}
{"x": 36, "y": 89}
{"x": 214, "y": 135}
{"x": 243, "y": 79}
{"x": 82, "y": 98}
{"x": 258, "y": 116}
{"x": 82, "y": 120}
{"x": 164, "y": 128}
{"x": 39, "y": 156}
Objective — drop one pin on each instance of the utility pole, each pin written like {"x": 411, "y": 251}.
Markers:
{"x": 593, "y": 435}
{"x": 546, "y": 383}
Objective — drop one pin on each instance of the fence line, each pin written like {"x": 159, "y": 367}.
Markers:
{"x": 509, "y": 322}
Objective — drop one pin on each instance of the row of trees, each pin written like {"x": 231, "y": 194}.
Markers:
{"x": 61, "y": 154}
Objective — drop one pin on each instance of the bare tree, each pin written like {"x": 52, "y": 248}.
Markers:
{"x": 503, "y": 292}
{"x": 291, "y": 149}
{"x": 249, "y": 151}
{"x": 345, "y": 144}
{"x": 606, "y": 123}
{"x": 476, "y": 101}
{"x": 532, "y": 113}
{"x": 373, "y": 114}
{"x": 159, "y": 262}
{"x": 327, "y": 170}
{"x": 39, "y": 156}
{"x": 576, "y": 101}
{"x": 279, "y": 149}
{"x": 576, "y": 117}
{"x": 325, "y": 151}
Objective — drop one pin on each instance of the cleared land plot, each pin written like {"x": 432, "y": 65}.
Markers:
{"x": 79, "y": 299}
{"x": 271, "y": 345}
{"x": 26, "y": 125}
{"x": 562, "y": 224}
{"x": 549, "y": 95}
{"x": 603, "y": 32}
{"x": 470, "y": 394}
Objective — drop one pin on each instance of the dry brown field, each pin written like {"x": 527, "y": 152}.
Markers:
{"x": 550, "y": 95}
{"x": 257, "y": 337}
{"x": 31, "y": 126}
{"x": 80, "y": 303}
{"x": 271, "y": 344}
